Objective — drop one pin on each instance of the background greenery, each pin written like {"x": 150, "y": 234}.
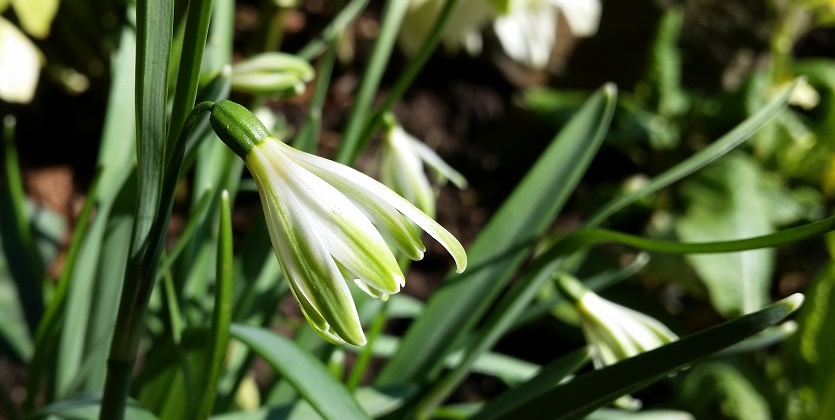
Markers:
{"x": 549, "y": 155}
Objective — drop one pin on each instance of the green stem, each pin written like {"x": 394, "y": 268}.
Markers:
{"x": 357, "y": 120}
{"x": 188, "y": 76}
{"x": 275, "y": 28}
{"x": 139, "y": 282}
{"x": 408, "y": 76}
{"x": 18, "y": 241}
{"x": 222, "y": 315}
{"x": 345, "y": 17}
{"x": 367, "y": 352}
{"x": 308, "y": 136}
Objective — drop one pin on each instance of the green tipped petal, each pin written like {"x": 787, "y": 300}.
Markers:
{"x": 355, "y": 184}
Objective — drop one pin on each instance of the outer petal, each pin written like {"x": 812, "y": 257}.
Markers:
{"x": 528, "y": 34}
{"x": 315, "y": 279}
{"x": 583, "y": 16}
{"x": 356, "y": 184}
{"x": 347, "y": 233}
{"x": 403, "y": 172}
{"x": 393, "y": 226}
{"x": 435, "y": 162}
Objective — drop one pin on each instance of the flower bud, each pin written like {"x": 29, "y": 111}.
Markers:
{"x": 237, "y": 127}
{"x": 272, "y": 73}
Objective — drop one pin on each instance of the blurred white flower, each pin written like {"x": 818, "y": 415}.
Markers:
{"x": 20, "y": 64}
{"x": 272, "y": 73}
{"x": 35, "y": 16}
{"x": 614, "y": 332}
{"x": 403, "y": 160}
{"x": 328, "y": 223}
{"x": 528, "y": 30}
{"x": 462, "y": 30}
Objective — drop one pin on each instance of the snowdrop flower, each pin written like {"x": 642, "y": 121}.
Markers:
{"x": 20, "y": 64}
{"x": 527, "y": 29}
{"x": 463, "y": 29}
{"x": 403, "y": 158}
{"x": 613, "y": 332}
{"x": 328, "y": 223}
{"x": 272, "y": 73}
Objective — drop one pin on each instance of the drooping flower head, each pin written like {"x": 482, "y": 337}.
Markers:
{"x": 403, "y": 160}
{"x": 614, "y": 332}
{"x": 328, "y": 223}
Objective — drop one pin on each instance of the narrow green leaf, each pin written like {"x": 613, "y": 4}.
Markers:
{"x": 51, "y": 323}
{"x": 550, "y": 376}
{"x": 222, "y": 315}
{"x": 589, "y": 391}
{"x": 329, "y": 397}
{"x": 154, "y": 23}
{"x": 22, "y": 255}
{"x": 393, "y": 13}
{"x": 589, "y": 237}
{"x": 699, "y": 160}
{"x": 188, "y": 68}
{"x": 375, "y": 402}
{"x": 85, "y": 408}
{"x": 612, "y": 414}
{"x": 503, "y": 244}
{"x": 96, "y": 287}
{"x": 346, "y": 16}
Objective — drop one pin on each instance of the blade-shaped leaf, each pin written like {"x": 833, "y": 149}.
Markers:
{"x": 329, "y": 397}
{"x": 550, "y": 375}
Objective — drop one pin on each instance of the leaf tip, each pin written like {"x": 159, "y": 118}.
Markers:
{"x": 610, "y": 89}
{"x": 793, "y": 302}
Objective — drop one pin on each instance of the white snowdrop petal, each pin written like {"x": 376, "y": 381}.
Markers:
{"x": 355, "y": 183}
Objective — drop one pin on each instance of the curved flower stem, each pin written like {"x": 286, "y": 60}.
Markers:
{"x": 392, "y": 17}
{"x": 410, "y": 73}
{"x": 140, "y": 278}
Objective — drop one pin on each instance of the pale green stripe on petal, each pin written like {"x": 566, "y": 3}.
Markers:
{"x": 350, "y": 237}
{"x": 403, "y": 171}
{"x": 318, "y": 284}
{"x": 355, "y": 184}
{"x": 392, "y": 225}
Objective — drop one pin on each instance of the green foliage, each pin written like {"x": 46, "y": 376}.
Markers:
{"x": 806, "y": 362}
{"x": 203, "y": 303}
{"x": 728, "y": 201}
{"x": 720, "y": 390}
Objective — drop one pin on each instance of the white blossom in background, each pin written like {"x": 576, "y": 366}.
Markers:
{"x": 463, "y": 30}
{"x": 613, "y": 332}
{"x": 20, "y": 59}
{"x": 20, "y": 64}
{"x": 404, "y": 159}
{"x": 528, "y": 30}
